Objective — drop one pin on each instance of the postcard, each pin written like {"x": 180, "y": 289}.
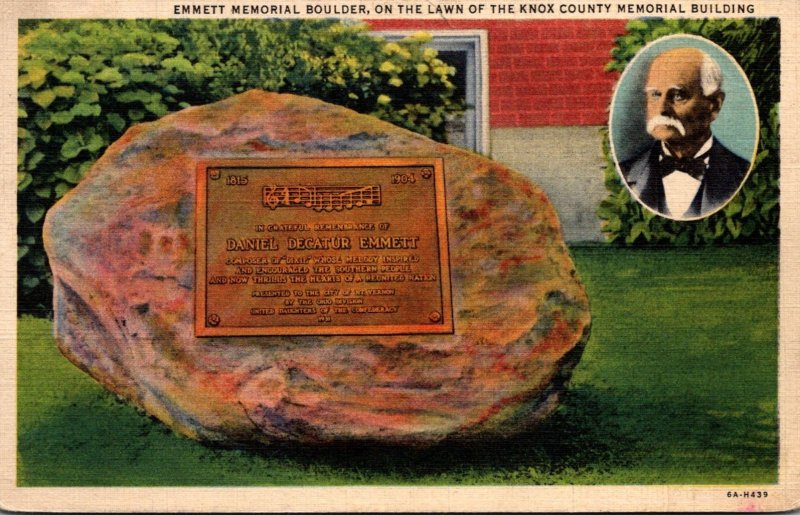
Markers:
{"x": 400, "y": 255}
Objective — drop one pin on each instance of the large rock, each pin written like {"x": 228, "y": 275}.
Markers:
{"x": 121, "y": 247}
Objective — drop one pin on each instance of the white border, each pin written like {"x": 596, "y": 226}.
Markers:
{"x": 693, "y": 498}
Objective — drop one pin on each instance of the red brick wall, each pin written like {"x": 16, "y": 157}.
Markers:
{"x": 541, "y": 72}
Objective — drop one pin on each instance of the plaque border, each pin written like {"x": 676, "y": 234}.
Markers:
{"x": 201, "y": 329}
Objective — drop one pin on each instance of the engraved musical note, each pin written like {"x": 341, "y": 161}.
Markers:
{"x": 374, "y": 196}
{"x": 305, "y": 196}
{"x": 347, "y": 199}
{"x": 270, "y": 199}
{"x": 285, "y": 196}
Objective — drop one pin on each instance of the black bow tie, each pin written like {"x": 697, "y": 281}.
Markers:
{"x": 694, "y": 166}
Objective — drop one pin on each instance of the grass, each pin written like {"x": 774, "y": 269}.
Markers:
{"x": 678, "y": 385}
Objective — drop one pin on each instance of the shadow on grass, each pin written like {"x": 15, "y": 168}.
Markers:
{"x": 112, "y": 444}
{"x": 581, "y": 435}
{"x": 596, "y": 436}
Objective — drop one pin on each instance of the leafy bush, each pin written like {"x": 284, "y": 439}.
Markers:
{"x": 401, "y": 82}
{"x": 83, "y": 83}
{"x": 752, "y": 216}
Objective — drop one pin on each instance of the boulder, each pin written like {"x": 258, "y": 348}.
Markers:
{"x": 122, "y": 247}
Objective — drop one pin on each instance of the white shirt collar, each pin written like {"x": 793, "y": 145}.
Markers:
{"x": 705, "y": 148}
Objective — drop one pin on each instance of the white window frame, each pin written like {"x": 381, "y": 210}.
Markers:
{"x": 475, "y": 44}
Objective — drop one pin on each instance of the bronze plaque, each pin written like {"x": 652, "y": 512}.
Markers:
{"x": 322, "y": 246}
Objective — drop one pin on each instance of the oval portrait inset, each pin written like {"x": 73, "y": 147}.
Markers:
{"x": 683, "y": 127}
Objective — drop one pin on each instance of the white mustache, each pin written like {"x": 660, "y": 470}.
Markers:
{"x": 656, "y": 121}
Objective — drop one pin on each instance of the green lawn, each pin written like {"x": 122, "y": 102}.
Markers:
{"x": 678, "y": 384}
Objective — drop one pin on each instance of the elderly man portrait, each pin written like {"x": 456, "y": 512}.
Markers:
{"x": 686, "y": 173}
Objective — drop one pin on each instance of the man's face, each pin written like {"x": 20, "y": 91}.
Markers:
{"x": 677, "y": 110}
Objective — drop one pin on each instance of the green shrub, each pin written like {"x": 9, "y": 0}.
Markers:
{"x": 752, "y": 216}
{"x": 83, "y": 83}
{"x": 401, "y": 82}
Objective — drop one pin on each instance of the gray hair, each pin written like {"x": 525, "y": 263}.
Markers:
{"x": 710, "y": 75}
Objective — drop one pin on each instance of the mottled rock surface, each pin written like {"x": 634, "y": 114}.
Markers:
{"x": 121, "y": 246}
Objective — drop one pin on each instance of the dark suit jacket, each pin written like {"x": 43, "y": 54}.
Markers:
{"x": 725, "y": 173}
